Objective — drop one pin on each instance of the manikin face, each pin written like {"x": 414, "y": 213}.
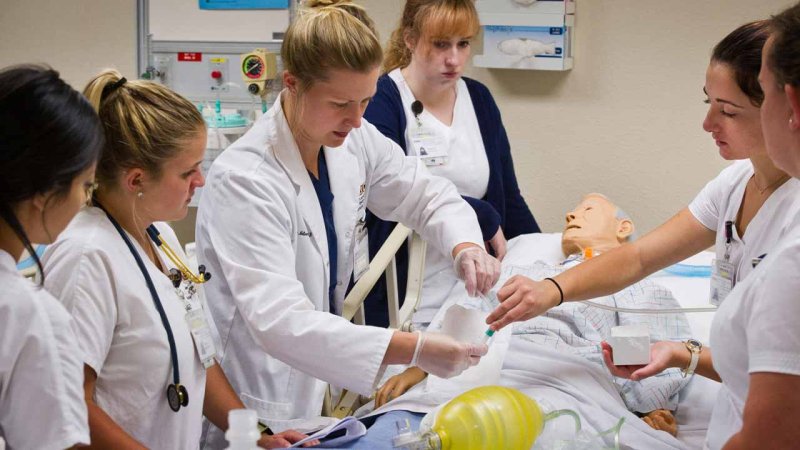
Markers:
{"x": 440, "y": 61}
{"x": 775, "y": 114}
{"x": 593, "y": 224}
{"x": 168, "y": 197}
{"x": 732, "y": 120}
{"x": 330, "y": 109}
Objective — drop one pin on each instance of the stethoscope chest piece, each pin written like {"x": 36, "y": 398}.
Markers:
{"x": 177, "y": 396}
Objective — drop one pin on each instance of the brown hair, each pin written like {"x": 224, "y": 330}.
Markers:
{"x": 145, "y": 124}
{"x": 425, "y": 20}
{"x": 741, "y": 51}
{"x": 326, "y": 35}
{"x": 784, "y": 59}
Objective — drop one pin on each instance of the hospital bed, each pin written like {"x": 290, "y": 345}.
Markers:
{"x": 695, "y": 401}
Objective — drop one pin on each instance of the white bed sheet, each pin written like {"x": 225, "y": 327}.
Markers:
{"x": 697, "y": 399}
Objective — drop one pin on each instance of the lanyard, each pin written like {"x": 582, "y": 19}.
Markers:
{"x": 177, "y": 395}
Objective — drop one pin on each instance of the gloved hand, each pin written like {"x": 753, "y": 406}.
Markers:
{"x": 445, "y": 357}
{"x": 478, "y": 269}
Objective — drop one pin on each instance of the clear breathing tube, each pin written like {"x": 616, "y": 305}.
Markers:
{"x": 650, "y": 310}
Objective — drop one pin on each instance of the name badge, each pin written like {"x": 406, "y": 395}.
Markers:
{"x": 723, "y": 278}
{"x": 429, "y": 146}
{"x": 196, "y": 321}
{"x": 361, "y": 251}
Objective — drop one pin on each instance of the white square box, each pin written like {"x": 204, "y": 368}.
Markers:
{"x": 525, "y": 6}
{"x": 631, "y": 344}
{"x": 542, "y": 42}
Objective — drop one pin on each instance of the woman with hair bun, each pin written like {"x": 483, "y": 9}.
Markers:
{"x": 50, "y": 140}
{"x": 282, "y": 226}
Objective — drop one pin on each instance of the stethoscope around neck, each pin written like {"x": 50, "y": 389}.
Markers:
{"x": 177, "y": 395}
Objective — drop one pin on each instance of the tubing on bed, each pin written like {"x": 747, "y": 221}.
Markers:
{"x": 650, "y": 310}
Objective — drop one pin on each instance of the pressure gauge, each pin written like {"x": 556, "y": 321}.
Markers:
{"x": 253, "y": 67}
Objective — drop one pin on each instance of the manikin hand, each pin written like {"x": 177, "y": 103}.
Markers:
{"x": 660, "y": 360}
{"x": 478, "y": 269}
{"x": 498, "y": 243}
{"x": 284, "y": 439}
{"x": 398, "y": 385}
{"x": 445, "y": 357}
{"x": 663, "y": 420}
{"x": 521, "y": 299}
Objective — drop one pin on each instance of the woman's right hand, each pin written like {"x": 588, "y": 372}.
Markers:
{"x": 445, "y": 357}
{"x": 521, "y": 299}
{"x": 499, "y": 244}
{"x": 662, "y": 357}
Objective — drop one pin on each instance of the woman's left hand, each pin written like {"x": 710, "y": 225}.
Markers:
{"x": 284, "y": 439}
{"x": 498, "y": 244}
{"x": 661, "y": 358}
{"x": 479, "y": 270}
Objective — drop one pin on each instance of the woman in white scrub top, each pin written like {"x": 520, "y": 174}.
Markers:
{"x": 755, "y": 334}
{"x": 285, "y": 204}
{"x": 742, "y": 212}
{"x": 425, "y": 105}
{"x": 149, "y": 357}
{"x": 41, "y": 374}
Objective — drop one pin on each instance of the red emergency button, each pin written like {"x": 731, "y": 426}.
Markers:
{"x": 216, "y": 74}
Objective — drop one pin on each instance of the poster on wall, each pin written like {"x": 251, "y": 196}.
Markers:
{"x": 244, "y": 4}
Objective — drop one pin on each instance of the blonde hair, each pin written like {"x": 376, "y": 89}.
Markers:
{"x": 329, "y": 35}
{"x": 145, "y": 124}
{"x": 426, "y": 20}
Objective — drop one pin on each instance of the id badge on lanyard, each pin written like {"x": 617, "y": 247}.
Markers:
{"x": 196, "y": 320}
{"x": 723, "y": 272}
{"x": 429, "y": 145}
{"x": 361, "y": 250}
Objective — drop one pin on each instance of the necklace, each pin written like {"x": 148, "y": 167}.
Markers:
{"x": 775, "y": 183}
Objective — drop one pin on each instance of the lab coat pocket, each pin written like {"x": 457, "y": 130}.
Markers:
{"x": 267, "y": 411}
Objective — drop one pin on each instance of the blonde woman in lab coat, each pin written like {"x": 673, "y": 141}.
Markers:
{"x": 281, "y": 224}
{"x": 138, "y": 312}
{"x": 50, "y": 140}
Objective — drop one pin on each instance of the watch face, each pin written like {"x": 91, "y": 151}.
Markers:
{"x": 693, "y": 343}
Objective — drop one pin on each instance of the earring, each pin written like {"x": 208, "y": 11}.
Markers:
{"x": 140, "y": 194}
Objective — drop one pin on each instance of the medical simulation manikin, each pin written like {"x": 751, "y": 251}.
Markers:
{"x": 595, "y": 225}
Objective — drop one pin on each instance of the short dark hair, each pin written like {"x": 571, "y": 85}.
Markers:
{"x": 784, "y": 60}
{"x": 49, "y": 134}
{"x": 741, "y": 51}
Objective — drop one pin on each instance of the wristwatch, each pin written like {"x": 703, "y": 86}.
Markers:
{"x": 694, "y": 347}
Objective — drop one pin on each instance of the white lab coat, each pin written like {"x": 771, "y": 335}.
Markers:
{"x": 261, "y": 234}
{"x": 42, "y": 402}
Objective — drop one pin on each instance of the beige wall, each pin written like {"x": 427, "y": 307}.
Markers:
{"x": 626, "y": 121}
{"x": 76, "y": 37}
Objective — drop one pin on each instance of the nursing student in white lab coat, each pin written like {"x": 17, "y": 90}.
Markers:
{"x": 281, "y": 222}
{"x": 50, "y": 140}
{"x": 755, "y": 335}
{"x": 150, "y": 372}
{"x": 742, "y": 212}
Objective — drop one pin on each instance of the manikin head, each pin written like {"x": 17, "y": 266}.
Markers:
{"x": 595, "y": 223}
